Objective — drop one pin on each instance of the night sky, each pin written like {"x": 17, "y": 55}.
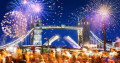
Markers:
{"x": 65, "y": 13}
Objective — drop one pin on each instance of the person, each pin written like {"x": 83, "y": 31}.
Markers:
{"x": 65, "y": 59}
{"x": 58, "y": 57}
{"x": 80, "y": 57}
{"x": 3, "y": 56}
{"x": 52, "y": 53}
{"x": 46, "y": 57}
{"x": 23, "y": 55}
{"x": 66, "y": 56}
{"x": 84, "y": 56}
{"x": 104, "y": 55}
{"x": 96, "y": 57}
{"x": 74, "y": 57}
{"x": 118, "y": 57}
{"x": 113, "y": 54}
{"x": 109, "y": 59}
{"x": 27, "y": 56}
{"x": 51, "y": 58}
{"x": 41, "y": 59}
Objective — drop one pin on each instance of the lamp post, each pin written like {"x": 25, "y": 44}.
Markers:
{"x": 48, "y": 42}
{"x": 104, "y": 32}
{"x": 104, "y": 11}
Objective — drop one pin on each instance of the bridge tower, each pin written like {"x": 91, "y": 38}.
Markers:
{"x": 37, "y": 40}
{"x": 83, "y": 35}
{"x": 86, "y": 32}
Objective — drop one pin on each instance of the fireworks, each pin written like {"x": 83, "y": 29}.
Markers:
{"x": 14, "y": 24}
{"x": 34, "y": 8}
{"x": 104, "y": 8}
{"x": 28, "y": 7}
{"x": 104, "y": 11}
{"x": 109, "y": 10}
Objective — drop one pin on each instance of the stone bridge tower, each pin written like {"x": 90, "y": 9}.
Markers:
{"x": 37, "y": 40}
{"x": 83, "y": 35}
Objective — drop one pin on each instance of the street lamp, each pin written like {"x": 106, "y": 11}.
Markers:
{"x": 104, "y": 11}
{"x": 48, "y": 41}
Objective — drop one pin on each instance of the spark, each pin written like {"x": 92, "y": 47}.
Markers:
{"x": 40, "y": 8}
{"x": 36, "y": 7}
{"x": 14, "y": 24}
{"x": 109, "y": 10}
{"x": 104, "y": 11}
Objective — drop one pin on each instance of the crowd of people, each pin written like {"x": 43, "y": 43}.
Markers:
{"x": 85, "y": 56}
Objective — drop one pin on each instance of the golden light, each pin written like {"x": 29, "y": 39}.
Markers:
{"x": 104, "y": 11}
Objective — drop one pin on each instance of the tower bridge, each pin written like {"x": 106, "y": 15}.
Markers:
{"x": 83, "y": 30}
{"x": 38, "y": 31}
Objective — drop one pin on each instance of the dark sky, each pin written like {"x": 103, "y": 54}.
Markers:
{"x": 69, "y": 6}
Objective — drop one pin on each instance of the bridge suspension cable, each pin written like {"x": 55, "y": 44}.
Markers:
{"x": 100, "y": 41}
{"x": 17, "y": 40}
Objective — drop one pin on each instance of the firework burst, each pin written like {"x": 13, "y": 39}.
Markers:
{"x": 30, "y": 9}
{"x": 97, "y": 10}
{"x": 34, "y": 8}
{"x": 14, "y": 24}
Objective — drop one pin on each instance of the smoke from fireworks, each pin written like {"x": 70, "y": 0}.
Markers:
{"x": 14, "y": 24}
